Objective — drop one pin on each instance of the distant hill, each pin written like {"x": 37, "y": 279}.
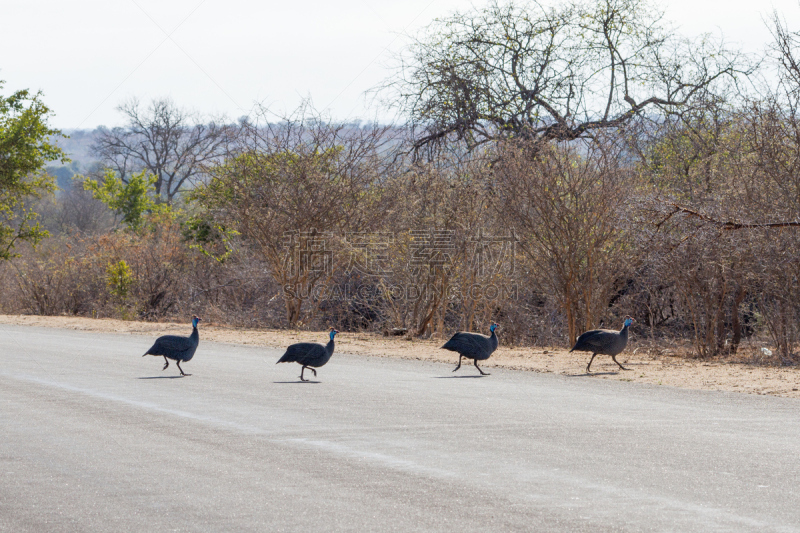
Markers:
{"x": 77, "y": 144}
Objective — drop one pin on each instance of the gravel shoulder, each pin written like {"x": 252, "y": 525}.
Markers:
{"x": 645, "y": 366}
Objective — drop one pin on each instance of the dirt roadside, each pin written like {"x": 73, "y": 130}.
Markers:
{"x": 645, "y": 366}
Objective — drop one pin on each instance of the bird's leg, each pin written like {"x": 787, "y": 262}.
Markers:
{"x": 614, "y": 357}
{"x": 301, "y": 373}
{"x": 314, "y": 371}
{"x": 166, "y": 363}
{"x": 479, "y": 368}
{"x": 179, "y": 367}
{"x": 590, "y": 363}
{"x": 459, "y": 363}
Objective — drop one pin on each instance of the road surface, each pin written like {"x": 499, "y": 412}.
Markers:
{"x": 97, "y": 438}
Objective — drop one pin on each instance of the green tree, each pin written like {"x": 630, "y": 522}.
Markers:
{"x": 119, "y": 279}
{"x": 131, "y": 200}
{"x": 25, "y": 150}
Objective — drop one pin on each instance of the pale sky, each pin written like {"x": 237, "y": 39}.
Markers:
{"x": 220, "y": 57}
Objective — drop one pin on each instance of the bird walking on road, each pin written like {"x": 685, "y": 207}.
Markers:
{"x": 605, "y": 342}
{"x": 473, "y": 346}
{"x": 309, "y": 354}
{"x": 176, "y": 347}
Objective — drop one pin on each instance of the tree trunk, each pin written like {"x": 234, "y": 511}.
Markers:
{"x": 292, "y": 312}
{"x": 736, "y": 324}
{"x": 573, "y": 334}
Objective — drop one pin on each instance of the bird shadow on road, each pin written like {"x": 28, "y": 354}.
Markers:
{"x": 457, "y": 377}
{"x": 164, "y": 377}
{"x": 589, "y": 374}
{"x": 298, "y": 382}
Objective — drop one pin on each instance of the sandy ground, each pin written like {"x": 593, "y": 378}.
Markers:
{"x": 646, "y": 366}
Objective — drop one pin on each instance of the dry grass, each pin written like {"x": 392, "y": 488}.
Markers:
{"x": 647, "y": 365}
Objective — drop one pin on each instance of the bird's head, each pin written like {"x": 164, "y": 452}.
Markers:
{"x": 628, "y": 321}
{"x": 333, "y": 333}
{"x": 494, "y": 326}
{"x": 195, "y": 320}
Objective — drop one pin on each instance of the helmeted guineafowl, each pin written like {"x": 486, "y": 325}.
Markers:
{"x": 176, "y": 347}
{"x": 604, "y": 341}
{"x": 473, "y": 346}
{"x": 309, "y": 354}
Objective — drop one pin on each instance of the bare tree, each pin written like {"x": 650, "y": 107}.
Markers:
{"x": 76, "y": 210}
{"x": 442, "y": 211}
{"x": 568, "y": 210}
{"x": 786, "y": 51}
{"x": 562, "y": 73}
{"x": 291, "y": 190}
{"x": 171, "y": 143}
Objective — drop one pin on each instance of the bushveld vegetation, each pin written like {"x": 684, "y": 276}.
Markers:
{"x": 559, "y": 169}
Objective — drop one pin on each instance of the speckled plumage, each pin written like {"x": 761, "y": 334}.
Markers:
{"x": 473, "y": 346}
{"x": 604, "y": 342}
{"x": 309, "y": 354}
{"x": 176, "y": 347}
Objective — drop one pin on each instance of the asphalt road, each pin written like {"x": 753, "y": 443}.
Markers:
{"x": 97, "y": 438}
